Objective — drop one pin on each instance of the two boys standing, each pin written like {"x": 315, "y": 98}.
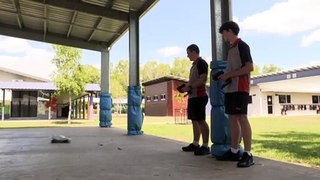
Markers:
{"x": 239, "y": 66}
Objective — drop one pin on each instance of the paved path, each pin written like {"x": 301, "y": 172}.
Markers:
{"x": 108, "y": 153}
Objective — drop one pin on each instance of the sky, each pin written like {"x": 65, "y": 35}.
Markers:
{"x": 285, "y": 33}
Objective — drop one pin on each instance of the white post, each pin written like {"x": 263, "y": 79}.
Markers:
{"x": 2, "y": 118}
{"x": 3, "y": 104}
{"x": 49, "y": 113}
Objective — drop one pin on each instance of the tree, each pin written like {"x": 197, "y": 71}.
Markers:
{"x": 152, "y": 70}
{"x": 256, "y": 70}
{"x": 91, "y": 74}
{"x": 120, "y": 79}
{"x": 181, "y": 67}
{"x": 270, "y": 68}
{"x": 68, "y": 77}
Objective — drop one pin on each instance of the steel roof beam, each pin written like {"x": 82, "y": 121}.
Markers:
{"x": 52, "y": 38}
{"x": 95, "y": 28}
{"x": 72, "y": 22}
{"x": 19, "y": 18}
{"x": 77, "y": 5}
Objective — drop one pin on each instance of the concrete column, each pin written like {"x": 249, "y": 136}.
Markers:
{"x": 83, "y": 107}
{"x": 76, "y": 109}
{"x": 221, "y": 12}
{"x": 3, "y": 104}
{"x": 134, "y": 90}
{"x": 105, "y": 74}
{"x": 105, "y": 97}
{"x": 133, "y": 49}
{"x": 90, "y": 100}
{"x": 220, "y": 134}
{"x": 49, "y": 109}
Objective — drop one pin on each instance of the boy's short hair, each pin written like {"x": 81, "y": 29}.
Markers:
{"x": 230, "y": 25}
{"x": 193, "y": 47}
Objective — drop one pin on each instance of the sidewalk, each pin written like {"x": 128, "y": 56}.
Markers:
{"x": 108, "y": 153}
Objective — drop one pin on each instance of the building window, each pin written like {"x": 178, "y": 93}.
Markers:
{"x": 155, "y": 98}
{"x": 315, "y": 99}
{"x": 250, "y": 100}
{"x": 148, "y": 98}
{"x": 163, "y": 97}
{"x": 284, "y": 99}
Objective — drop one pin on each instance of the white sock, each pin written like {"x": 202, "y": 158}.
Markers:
{"x": 205, "y": 145}
{"x": 235, "y": 151}
{"x": 195, "y": 143}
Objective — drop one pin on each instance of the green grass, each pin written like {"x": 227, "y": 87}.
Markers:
{"x": 294, "y": 139}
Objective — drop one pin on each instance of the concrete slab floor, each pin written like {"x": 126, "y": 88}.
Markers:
{"x": 108, "y": 153}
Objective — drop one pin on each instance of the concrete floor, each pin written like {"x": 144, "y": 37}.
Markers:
{"x": 108, "y": 153}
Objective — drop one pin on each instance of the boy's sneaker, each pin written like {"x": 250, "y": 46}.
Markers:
{"x": 202, "y": 151}
{"x": 190, "y": 148}
{"x": 229, "y": 156}
{"x": 246, "y": 160}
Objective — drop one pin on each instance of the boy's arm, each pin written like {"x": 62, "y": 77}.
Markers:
{"x": 246, "y": 69}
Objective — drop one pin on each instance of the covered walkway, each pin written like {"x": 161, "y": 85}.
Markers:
{"x": 107, "y": 153}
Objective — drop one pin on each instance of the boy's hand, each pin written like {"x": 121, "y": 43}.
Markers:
{"x": 224, "y": 77}
{"x": 181, "y": 88}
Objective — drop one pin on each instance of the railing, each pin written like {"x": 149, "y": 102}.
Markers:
{"x": 300, "y": 107}
{"x": 180, "y": 116}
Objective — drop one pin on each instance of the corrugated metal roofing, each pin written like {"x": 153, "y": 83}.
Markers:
{"x": 308, "y": 68}
{"x": 87, "y": 24}
{"x": 310, "y": 71}
{"x": 164, "y": 79}
{"x": 23, "y": 74}
{"x": 49, "y": 86}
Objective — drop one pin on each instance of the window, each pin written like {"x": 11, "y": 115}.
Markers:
{"x": 155, "y": 98}
{"x": 163, "y": 97}
{"x": 288, "y": 99}
{"x": 250, "y": 100}
{"x": 148, "y": 98}
{"x": 315, "y": 99}
{"x": 284, "y": 99}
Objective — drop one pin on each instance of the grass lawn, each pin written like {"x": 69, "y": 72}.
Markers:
{"x": 293, "y": 139}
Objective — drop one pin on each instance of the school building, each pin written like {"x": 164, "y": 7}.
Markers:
{"x": 292, "y": 92}
{"x": 24, "y": 96}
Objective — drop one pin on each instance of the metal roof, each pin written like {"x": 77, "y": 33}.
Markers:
{"x": 23, "y": 74}
{"x": 86, "y": 24}
{"x": 301, "y": 80}
{"x": 306, "y": 72}
{"x": 315, "y": 68}
{"x": 49, "y": 86}
{"x": 164, "y": 79}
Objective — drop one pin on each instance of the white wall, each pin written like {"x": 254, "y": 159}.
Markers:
{"x": 254, "y": 108}
{"x": 5, "y": 76}
{"x": 259, "y": 105}
{"x": 7, "y": 95}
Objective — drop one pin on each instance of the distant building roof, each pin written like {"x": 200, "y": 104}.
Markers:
{"x": 300, "y": 80}
{"x": 39, "y": 86}
{"x": 164, "y": 79}
{"x": 23, "y": 74}
{"x": 304, "y": 72}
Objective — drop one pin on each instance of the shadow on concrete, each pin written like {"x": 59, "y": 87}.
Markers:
{"x": 108, "y": 153}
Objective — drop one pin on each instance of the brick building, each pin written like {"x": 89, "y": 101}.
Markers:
{"x": 162, "y": 97}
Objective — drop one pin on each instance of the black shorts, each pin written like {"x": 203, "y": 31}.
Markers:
{"x": 236, "y": 103}
{"x": 197, "y": 108}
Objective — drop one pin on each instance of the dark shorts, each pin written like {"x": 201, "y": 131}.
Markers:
{"x": 197, "y": 108}
{"x": 236, "y": 103}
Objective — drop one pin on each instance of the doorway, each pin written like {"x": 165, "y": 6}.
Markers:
{"x": 24, "y": 104}
{"x": 270, "y": 104}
